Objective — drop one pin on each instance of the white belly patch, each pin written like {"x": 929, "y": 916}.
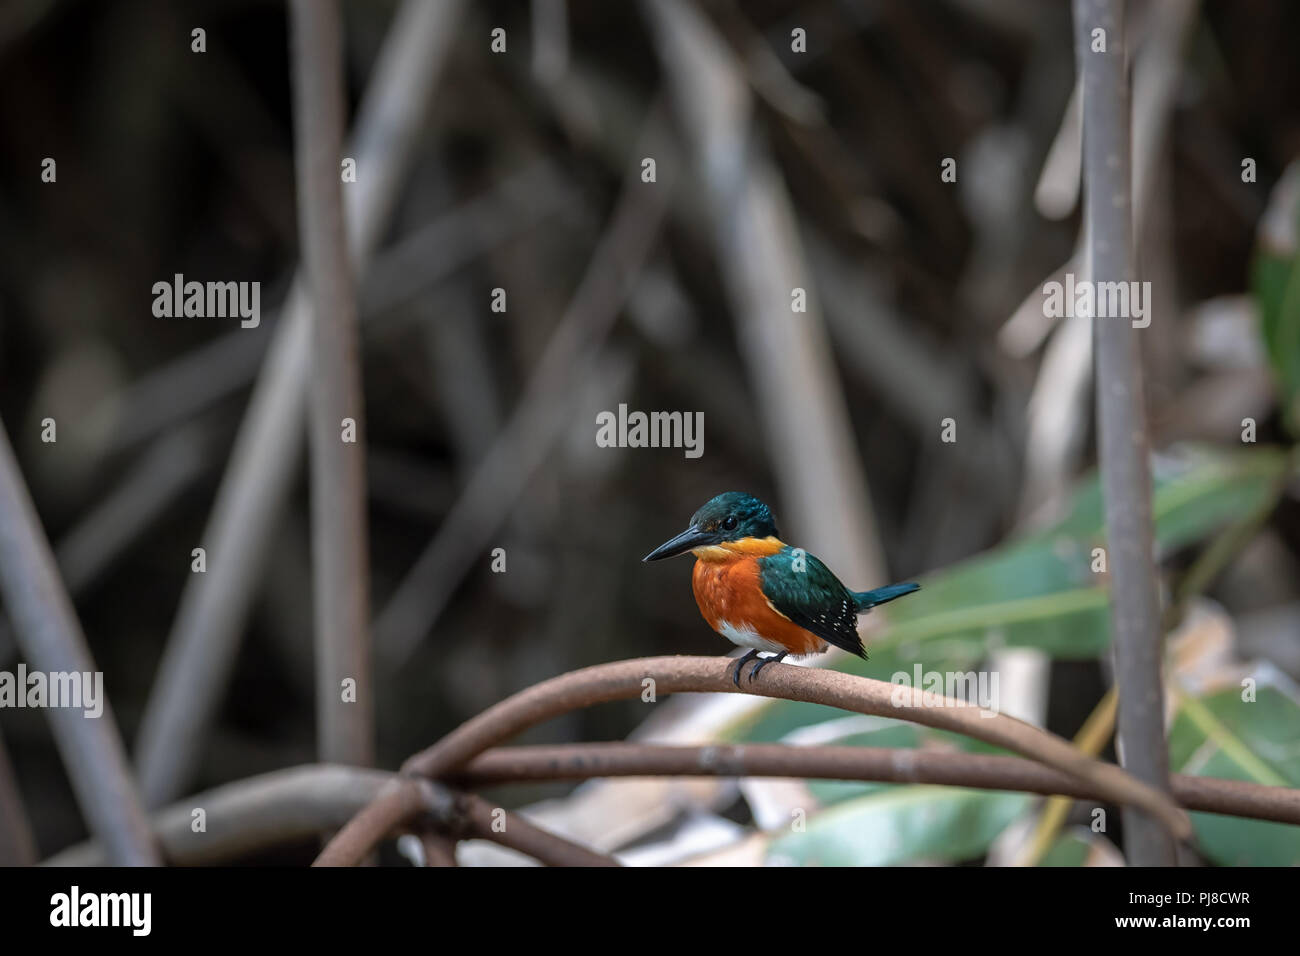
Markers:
{"x": 747, "y": 637}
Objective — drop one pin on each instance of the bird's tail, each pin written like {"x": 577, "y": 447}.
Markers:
{"x": 869, "y": 599}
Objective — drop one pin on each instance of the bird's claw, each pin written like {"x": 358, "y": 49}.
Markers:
{"x": 740, "y": 665}
{"x": 763, "y": 662}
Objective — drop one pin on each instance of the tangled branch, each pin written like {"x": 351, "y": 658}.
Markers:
{"x": 284, "y": 806}
{"x": 878, "y": 764}
{"x": 666, "y": 675}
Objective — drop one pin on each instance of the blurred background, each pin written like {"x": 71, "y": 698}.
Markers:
{"x": 795, "y": 145}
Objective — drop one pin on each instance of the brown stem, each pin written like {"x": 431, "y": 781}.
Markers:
{"x": 439, "y": 850}
{"x": 799, "y": 397}
{"x": 667, "y": 675}
{"x": 287, "y": 805}
{"x": 51, "y": 640}
{"x": 510, "y": 830}
{"x": 249, "y": 815}
{"x": 404, "y": 798}
{"x": 540, "y": 416}
{"x": 204, "y": 641}
{"x": 17, "y": 840}
{"x": 1123, "y": 449}
{"x": 340, "y": 555}
{"x": 881, "y": 764}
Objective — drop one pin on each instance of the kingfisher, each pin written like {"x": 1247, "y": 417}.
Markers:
{"x": 760, "y": 593}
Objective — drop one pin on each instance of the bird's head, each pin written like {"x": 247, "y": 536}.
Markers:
{"x": 731, "y": 516}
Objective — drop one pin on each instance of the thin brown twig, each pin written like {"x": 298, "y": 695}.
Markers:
{"x": 201, "y": 648}
{"x": 511, "y": 830}
{"x": 405, "y": 798}
{"x": 171, "y": 396}
{"x": 1123, "y": 448}
{"x": 190, "y": 384}
{"x": 287, "y": 805}
{"x": 291, "y": 805}
{"x": 340, "y": 551}
{"x": 50, "y": 637}
{"x": 378, "y": 818}
{"x": 666, "y": 675}
{"x": 17, "y": 840}
{"x": 541, "y": 413}
{"x": 439, "y": 849}
{"x": 89, "y": 548}
{"x": 881, "y": 764}
{"x": 272, "y": 809}
{"x": 796, "y": 386}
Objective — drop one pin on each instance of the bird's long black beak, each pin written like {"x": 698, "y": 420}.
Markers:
{"x": 692, "y": 537}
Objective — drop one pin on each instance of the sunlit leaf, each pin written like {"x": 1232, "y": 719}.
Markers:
{"x": 1041, "y": 591}
{"x": 1275, "y": 279}
{"x": 901, "y": 825}
{"x": 1078, "y": 846}
{"x": 1222, "y": 735}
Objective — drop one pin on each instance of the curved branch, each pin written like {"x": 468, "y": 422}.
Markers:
{"x": 666, "y": 675}
{"x": 287, "y": 805}
{"x": 249, "y": 815}
{"x": 518, "y": 834}
{"x": 880, "y": 764}
{"x": 439, "y": 850}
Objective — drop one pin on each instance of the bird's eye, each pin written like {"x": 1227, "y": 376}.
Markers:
{"x": 730, "y": 523}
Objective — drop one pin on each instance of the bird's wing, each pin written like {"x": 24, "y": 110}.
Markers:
{"x": 799, "y": 586}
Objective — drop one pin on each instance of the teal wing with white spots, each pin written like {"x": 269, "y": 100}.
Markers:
{"x": 803, "y": 589}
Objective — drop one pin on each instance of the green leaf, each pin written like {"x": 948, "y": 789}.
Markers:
{"x": 1070, "y": 849}
{"x": 1079, "y": 846}
{"x": 938, "y": 823}
{"x": 1195, "y": 491}
{"x": 1040, "y": 590}
{"x": 901, "y": 825}
{"x": 1068, "y": 623}
{"x": 775, "y": 720}
{"x": 1221, "y": 735}
{"x": 1275, "y": 279}
{"x": 894, "y": 734}
{"x": 1202, "y": 491}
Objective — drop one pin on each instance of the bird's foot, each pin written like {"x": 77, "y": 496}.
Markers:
{"x": 740, "y": 664}
{"x": 763, "y": 662}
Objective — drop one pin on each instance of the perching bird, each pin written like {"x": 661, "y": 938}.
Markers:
{"x": 760, "y": 593}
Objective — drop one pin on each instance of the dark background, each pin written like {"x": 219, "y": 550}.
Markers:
{"x": 170, "y": 161}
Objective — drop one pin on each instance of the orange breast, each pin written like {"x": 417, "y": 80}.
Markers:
{"x": 731, "y": 600}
